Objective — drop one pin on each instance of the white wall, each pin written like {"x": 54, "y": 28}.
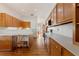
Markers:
{"x": 66, "y": 30}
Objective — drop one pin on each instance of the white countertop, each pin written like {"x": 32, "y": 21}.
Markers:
{"x": 7, "y": 32}
{"x": 66, "y": 42}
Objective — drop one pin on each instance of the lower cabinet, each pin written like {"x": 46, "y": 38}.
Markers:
{"x": 57, "y": 50}
{"x": 5, "y": 43}
{"x": 65, "y": 52}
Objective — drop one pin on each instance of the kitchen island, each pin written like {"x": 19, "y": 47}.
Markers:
{"x": 11, "y": 42}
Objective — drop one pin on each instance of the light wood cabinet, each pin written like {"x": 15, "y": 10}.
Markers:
{"x": 14, "y": 22}
{"x": 5, "y": 43}
{"x": 25, "y": 24}
{"x": 62, "y": 13}
{"x": 53, "y": 17}
{"x": 2, "y": 20}
{"x": 59, "y": 13}
{"x": 55, "y": 49}
{"x": 65, "y": 52}
{"x": 8, "y": 21}
{"x": 68, "y": 12}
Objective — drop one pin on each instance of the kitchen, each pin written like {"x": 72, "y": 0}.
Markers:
{"x": 22, "y": 27}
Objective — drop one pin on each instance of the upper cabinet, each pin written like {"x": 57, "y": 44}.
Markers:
{"x": 2, "y": 20}
{"x": 54, "y": 16}
{"x": 25, "y": 24}
{"x": 10, "y": 21}
{"x": 77, "y": 12}
{"x": 64, "y": 12}
{"x": 68, "y": 10}
{"x": 15, "y": 22}
{"x": 60, "y": 11}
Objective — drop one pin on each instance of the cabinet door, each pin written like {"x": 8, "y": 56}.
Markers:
{"x": 14, "y": 22}
{"x": 54, "y": 16}
{"x": 55, "y": 48}
{"x": 52, "y": 48}
{"x": 2, "y": 20}
{"x": 25, "y": 24}
{"x": 68, "y": 12}
{"x": 22, "y": 24}
{"x": 77, "y": 12}
{"x": 5, "y": 43}
{"x": 66, "y": 52}
{"x": 59, "y": 13}
{"x": 9, "y": 21}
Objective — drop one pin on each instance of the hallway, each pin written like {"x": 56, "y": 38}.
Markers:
{"x": 37, "y": 48}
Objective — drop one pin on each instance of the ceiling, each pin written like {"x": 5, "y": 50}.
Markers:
{"x": 31, "y": 10}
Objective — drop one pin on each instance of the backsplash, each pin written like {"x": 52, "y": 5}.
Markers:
{"x": 66, "y": 30}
